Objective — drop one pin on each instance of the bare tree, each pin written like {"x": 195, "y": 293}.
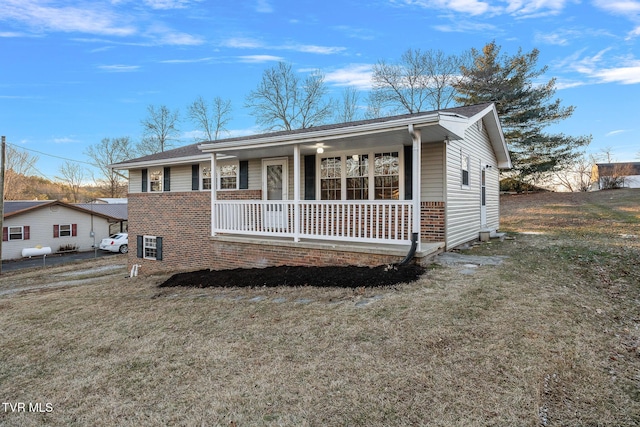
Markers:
{"x": 107, "y": 152}
{"x": 159, "y": 130}
{"x": 575, "y": 177}
{"x": 18, "y": 165}
{"x": 211, "y": 120}
{"x": 72, "y": 177}
{"x": 420, "y": 81}
{"x": 347, "y": 109}
{"x": 283, "y": 101}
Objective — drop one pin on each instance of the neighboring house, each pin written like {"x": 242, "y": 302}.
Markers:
{"x": 110, "y": 200}
{"x": 615, "y": 175}
{"x": 350, "y": 193}
{"x": 118, "y": 212}
{"x": 51, "y": 223}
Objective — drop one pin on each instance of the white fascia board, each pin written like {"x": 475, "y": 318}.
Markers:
{"x": 490, "y": 115}
{"x": 163, "y": 162}
{"x": 323, "y": 135}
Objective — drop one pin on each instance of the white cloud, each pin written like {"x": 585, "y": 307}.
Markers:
{"x": 596, "y": 67}
{"x": 256, "y": 59}
{"x": 64, "y": 140}
{"x": 92, "y": 18}
{"x": 616, "y": 132}
{"x": 461, "y": 26}
{"x": 634, "y": 33}
{"x": 357, "y": 75}
{"x": 118, "y": 68}
{"x": 535, "y": 8}
{"x": 264, "y": 6}
{"x": 167, "y": 4}
{"x": 620, "y": 7}
{"x": 471, "y": 7}
{"x": 187, "y": 61}
{"x": 249, "y": 43}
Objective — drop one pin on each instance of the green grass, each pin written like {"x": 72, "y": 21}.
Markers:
{"x": 551, "y": 337}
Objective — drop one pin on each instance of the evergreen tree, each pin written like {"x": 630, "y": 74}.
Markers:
{"x": 525, "y": 108}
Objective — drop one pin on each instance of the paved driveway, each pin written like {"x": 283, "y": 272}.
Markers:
{"x": 54, "y": 260}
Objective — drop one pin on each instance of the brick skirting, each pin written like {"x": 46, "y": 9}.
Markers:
{"x": 183, "y": 220}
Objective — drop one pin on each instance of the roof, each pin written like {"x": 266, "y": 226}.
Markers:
{"x": 194, "y": 152}
{"x": 114, "y": 210}
{"x": 111, "y": 200}
{"x": 625, "y": 168}
{"x": 18, "y": 207}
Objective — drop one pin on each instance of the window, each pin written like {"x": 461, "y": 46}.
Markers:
{"x": 150, "y": 247}
{"x": 465, "y": 169}
{"x": 387, "y": 176}
{"x": 16, "y": 233}
{"x": 330, "y": 178}
{"x": 206, "y": 178}
{"x": 65, "y": 230}
{"x": 358, "y": 177}
{"x": 228, "y": 177}
{"x": 155, "y": 179}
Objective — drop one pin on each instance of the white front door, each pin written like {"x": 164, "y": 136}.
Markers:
{"x": 275, "y": 188}
{"x": 483, "y": 197}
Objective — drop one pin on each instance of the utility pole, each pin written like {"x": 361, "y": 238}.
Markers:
{"x": 2, "y": 165}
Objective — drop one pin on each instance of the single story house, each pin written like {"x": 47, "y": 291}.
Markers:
{"x": 118, "y": 211}
{"x": 351, "y": 193}
{"x": 615, "y": 175}
{"x": 50, "y": 223}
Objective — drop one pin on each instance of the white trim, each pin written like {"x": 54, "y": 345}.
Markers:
{"x": 144, "y": 247}
{"x": 9, "y": 227}
{"x": 464, "y": 156}
{"x": 284, "y": 161}
{"x": 371, "y": 152}
{"x": 161, "y": 181}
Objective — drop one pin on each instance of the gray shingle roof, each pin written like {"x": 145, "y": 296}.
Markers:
{"x": 192, "y": 150}
{"x": 114, "y": 210}
{"x": 17, "y": 207}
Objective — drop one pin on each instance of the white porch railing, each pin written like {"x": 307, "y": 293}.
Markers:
{"x": 382, "y": 221}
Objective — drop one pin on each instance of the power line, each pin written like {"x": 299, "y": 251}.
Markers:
{"x": 52, "y": 155}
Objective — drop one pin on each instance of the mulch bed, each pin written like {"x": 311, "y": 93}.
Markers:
{"x": 343, "y": 277}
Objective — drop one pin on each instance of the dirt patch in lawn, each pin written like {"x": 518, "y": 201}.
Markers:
{"x": 342, "y": 277}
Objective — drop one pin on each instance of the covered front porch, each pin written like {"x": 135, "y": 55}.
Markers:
{"x": 359, "y": 185}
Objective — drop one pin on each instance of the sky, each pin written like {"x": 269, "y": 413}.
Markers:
{"x": 73, "y": 72}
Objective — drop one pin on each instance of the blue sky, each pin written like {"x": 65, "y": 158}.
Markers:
{"x": 74, "y": 72}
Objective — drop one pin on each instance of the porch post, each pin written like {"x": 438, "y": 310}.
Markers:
{"x": 296, "y": 193}
{"x": 214, "y": 186}
{"x": 415, "y": 187}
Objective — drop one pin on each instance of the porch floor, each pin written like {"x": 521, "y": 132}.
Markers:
{"x": 428, "y": 248}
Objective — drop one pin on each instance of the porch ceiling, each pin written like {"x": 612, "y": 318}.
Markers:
{"x": 392, "y": 137}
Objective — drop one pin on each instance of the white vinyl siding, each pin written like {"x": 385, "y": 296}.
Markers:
{"x": 135, "y": 181}
{"x": 41, "y": 222}
{"x": 463, "y": 202}
{"x": 432, "y": 173}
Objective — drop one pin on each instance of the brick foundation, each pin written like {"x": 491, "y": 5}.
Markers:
{"x": 432, "y": 222}
{"x": 183, "y": 220}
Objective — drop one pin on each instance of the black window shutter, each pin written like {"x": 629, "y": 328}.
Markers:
{"x": 310, "y": 177}
{"x": 244, "y": 174}
{"x": 195, "y": 177}
{"x": 167, "y": 179}
{"x": 139, "y": 246}
{"x": 159, "y": 248}
{"x": 408, "y": 175}
{"x": 144, "y": 180}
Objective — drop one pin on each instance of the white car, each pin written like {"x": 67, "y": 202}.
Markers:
{"x": 116, "y": 243}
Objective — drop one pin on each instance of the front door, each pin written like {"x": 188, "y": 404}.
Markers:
{"x": 274, "y": 188}
{"x": 483, "y": 197}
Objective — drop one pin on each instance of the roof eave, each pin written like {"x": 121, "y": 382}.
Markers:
{"x": 323, "y": 135}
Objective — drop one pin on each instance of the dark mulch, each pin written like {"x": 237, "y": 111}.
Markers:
{"x": 343, "y": 277}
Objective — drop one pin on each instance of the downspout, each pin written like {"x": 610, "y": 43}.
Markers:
{"x": 415, "y": 192}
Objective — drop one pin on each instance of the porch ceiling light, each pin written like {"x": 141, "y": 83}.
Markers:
{"x": 320, "y": 150}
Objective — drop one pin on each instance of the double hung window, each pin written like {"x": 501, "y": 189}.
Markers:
{"x": 355, "y": 176}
